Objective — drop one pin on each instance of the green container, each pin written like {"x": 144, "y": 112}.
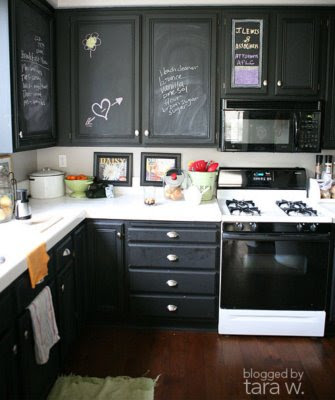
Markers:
{"x": 203, "y": 181}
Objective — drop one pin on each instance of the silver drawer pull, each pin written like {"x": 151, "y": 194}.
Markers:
{"x": 172, "y": 257}
{"x": 172, "y": 308}
{"x": 173, "y": 235}
{"x": 14, "y": 349}
{"x": 26, "y": 335}
{"x": 63, "y": 287}
{"x": 66, "y": 252}
{"x": 171, "y": 283}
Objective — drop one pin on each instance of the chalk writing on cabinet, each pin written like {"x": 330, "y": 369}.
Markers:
{"x": 247, "y": 41}
{"x": 91, "y": 42}
{"x": 101, "y": 110}
{"x": 174, "y": 89}
{"x": 34, "y": 85}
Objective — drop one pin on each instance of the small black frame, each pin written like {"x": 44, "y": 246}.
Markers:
{"x": 119, "y": 165}
{"x": 160, "y": 158}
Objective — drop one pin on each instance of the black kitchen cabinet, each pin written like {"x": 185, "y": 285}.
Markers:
{"x": 284, "y": 62}
{"x": 172, "y": 273}
{"x": 9, "y": 380}
{"x": 329, "y": 115}
{"x": 105, "y": 269}
{"x": 32, "y": 43}
{"x": 103, "y": 84}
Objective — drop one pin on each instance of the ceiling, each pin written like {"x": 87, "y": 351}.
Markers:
{"x": 158, "y": 3}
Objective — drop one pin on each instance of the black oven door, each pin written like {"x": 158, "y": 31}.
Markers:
{"x": 274, "y": 272}
{"x": 259, "y": 130}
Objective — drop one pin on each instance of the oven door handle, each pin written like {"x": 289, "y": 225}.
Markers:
{"x": 275, "y": 236}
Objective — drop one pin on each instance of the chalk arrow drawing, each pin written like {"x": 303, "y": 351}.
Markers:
{"x": 89, "y": 121}
{"x": 118, "y": 101}
{"x": 101, "y": 110}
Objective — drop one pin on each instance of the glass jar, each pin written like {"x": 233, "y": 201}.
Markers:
{"x": 6, "y": 196}
{"x": 173, "y": 184}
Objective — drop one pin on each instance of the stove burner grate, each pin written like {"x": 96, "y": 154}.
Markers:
{"x": 242, "y": 207}
{"x": 296, "y": 208}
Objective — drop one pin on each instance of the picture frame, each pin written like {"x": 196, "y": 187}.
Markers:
{"x": 155, "y": 165}
{"x": 114, "y": 168}
{"x": 6, "y": 161}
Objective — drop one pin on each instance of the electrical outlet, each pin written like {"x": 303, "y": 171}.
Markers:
{"x": 62, "y": 162}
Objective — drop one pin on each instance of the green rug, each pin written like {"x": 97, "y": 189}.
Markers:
{"x": 119, "y": 388}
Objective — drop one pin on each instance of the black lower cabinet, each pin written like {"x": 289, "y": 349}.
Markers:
{"x": 105, "y": 270}
{"x": 36, "y": 380}
{"x": 9, "y": 379}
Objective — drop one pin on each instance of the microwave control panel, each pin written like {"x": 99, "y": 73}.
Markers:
{"x": 309, "y": 131}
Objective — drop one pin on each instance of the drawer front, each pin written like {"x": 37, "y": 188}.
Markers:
{"x": 204, "y": 257}
{"x": 64, "y": 252}
{"x": 173, "y": 235}
{"x": 173, "y": 282}
{"x": 7, "y": 310}
{"x": 174, "y": 306}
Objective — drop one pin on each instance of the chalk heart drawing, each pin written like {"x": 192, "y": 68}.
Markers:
{"x": 101, "y": 110}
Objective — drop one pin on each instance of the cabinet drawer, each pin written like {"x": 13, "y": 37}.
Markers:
{"x": 199, "y": 307}
{"x": 173, "y": 235}
{"x": 64, "y": 252}
{"x": 201, "y": 256}
{"x": 172, "y": 282}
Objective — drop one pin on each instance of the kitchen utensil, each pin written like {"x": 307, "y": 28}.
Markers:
{"x": 46, "y": 184}
{"x": 78, "y": 187}
{"x": 22, "y": 207}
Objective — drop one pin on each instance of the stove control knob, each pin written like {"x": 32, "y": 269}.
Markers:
{"x": 300, "y": 227}
{"x": 239, "y": 226}
{"x": 313, "y": 227}
{"x": 253, "y": 226}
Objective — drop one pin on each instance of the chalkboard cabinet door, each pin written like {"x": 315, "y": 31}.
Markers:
{"x": 179, "y": 79}
{"x": 33, "y": 77}
{"x": 297, "y": 57}
{"x": 104, "y": 80}
{"x": 245, "y": 58}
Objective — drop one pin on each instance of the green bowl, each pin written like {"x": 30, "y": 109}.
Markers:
{"x": 78, "y": 187}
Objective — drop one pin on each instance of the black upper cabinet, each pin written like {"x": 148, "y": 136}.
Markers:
{"x": 33, "y": 75}
{"x": 297, "y": 55}
{"x": 273, "y": 55}
{"x": 179, "y": 69}
{"x": 104, "y": 78}
{"x": 245, "y": 58}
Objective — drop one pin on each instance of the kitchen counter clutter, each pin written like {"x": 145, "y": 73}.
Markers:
{"x": 54, "y": 218}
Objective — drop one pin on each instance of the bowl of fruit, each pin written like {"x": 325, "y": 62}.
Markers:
{"x": 78, "y": 184}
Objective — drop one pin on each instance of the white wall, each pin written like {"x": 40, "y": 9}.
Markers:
{"x": 80, "y": 159}
{"x": 24, "y": 163}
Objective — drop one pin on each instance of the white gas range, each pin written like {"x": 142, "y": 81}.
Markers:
{"x": 276, "y": 253}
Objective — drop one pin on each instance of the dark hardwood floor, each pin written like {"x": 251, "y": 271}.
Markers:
{"x": 206, "y": 366}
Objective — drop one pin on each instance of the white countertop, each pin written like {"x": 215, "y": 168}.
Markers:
{"x": 19, "y": 238}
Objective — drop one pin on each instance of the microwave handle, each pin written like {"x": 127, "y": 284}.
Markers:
{"x": 296, "y": 130}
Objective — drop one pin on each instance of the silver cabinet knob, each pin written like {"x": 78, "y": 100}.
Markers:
{"x": 172, "y": 283}
{"x": 21, "y": 134}
{"x": 62, "y": 287}
{"x": 146, "y": 132}
{"x": 172, "y": 257}
{"x": 265, "y": 82}
{"x": 172, "y": 308}
{"x": 66, "y": 252}
{"x": 173, "y": 235}
{"x": 119, "y": 235}
{"x": 279, "y": 83}
{"x": 137, "y": 132}
{"x": 26, "y": 335}
{"x": 15, "y": 349}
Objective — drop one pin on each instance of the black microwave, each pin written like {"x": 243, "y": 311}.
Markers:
{"x": 273, "y": 126}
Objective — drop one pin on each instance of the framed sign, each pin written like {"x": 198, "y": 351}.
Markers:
{"x": 155, "y": 165}
{"x": 247, "y": 47}
{"x": 115, "y": 168}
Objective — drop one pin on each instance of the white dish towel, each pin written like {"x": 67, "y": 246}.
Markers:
{"x": 44, "y": 325}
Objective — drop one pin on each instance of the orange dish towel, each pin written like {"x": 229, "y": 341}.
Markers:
{"x": 37, "y": 262}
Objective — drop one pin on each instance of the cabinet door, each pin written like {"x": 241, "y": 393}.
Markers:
{"x": 8, "y": 366}
{"x": 297, "y": 56}
{"x": 106, "y": 268}
{"x": 66, "y": 309}
{"x": 245, "y": 55}
{"x": 179, "y": 70}
{"x": 36, "y": 380}
{"x": 104, "y": 76}
{"x": 33, "y": 77}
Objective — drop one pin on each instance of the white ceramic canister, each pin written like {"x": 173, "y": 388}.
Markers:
{"x": 46, "y": 184}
